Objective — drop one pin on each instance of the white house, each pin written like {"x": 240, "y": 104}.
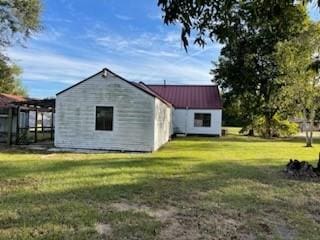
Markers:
{"x": 197, "y": 108}
{"x": 106, "y": 111}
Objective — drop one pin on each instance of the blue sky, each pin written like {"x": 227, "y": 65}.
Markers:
{"x": 80, "y": 37}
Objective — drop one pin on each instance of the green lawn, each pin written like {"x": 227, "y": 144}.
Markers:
{"x": 193, "y": 188}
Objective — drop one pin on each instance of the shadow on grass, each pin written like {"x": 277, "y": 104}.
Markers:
{"x": 180, "y": 188}
{"x": 88, "y": 187}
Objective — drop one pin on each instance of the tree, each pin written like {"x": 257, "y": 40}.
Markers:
{"x": 300, "y": 64}
{"x": 232, "y": 112}
{"x": 247, "y": 63}
{"x": 211, "y": 18}
{"x": 18, "y": 19}
{"x": 9, "y": 82}
{"x": 250, "y": 32}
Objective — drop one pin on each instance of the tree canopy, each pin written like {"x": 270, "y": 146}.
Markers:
{"x": 9, "y": 81}
{"x": 250, "y": 32}
{"x": 210, "y": 19}
{"x": 18, "y": 19}
{"x": 299, "y": 63}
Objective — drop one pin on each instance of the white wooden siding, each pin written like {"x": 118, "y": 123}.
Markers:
{"x": 183, "y": 121}
{"x": 133, "y": 120}
{"x": 162, "y": 124}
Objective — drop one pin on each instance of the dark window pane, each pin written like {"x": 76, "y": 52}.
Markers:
{"x": 104, "y": 118}
{"x": 202, "y": 120}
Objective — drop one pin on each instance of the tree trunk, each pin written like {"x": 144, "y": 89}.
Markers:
{"x": 308, "y": 139}
{"x": 311, "y": 127}
{"x": 308, "y": 123}
{"x": 251, "y": 132}
{"x": 268, "y": 120}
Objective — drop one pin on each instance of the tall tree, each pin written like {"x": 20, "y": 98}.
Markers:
{"x": 300, "y": 66}
{"x": 9, "y": 81}
{"x": 250, "y": 31}
{"x": 247, "y": 64}
{"x": 209, "y": 18}
{"x": 18, "y": 20}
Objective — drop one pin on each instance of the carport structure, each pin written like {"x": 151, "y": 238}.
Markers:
{"x": 31, "y": 121}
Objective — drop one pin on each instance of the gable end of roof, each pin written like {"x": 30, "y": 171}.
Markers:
{"x": 143, "y": 88}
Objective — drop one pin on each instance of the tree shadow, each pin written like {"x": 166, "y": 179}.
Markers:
{"x": 156, "y": 180}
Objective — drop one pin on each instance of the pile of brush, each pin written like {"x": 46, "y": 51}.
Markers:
{"x": 302, "y": 169}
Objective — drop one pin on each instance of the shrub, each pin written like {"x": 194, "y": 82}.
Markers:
{"x": 279, "y": 127}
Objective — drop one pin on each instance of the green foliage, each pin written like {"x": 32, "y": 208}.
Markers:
{"x": 250, "y": 32}
{"x": 279, "y": 127}
{"x": 211, "y": 19}
{"x": 300, "y": 72}
{"x": 18, "y": 19}
{"x": 234, "y": 111}
{"x": 9, "y": 81}
{"x": 247, "y": 66}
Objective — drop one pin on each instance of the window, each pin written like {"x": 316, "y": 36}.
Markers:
{"x": 104, "y": 118}
{"x": 202, "y": 120}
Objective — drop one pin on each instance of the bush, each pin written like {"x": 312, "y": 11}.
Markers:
{"x": 279, "y": 127}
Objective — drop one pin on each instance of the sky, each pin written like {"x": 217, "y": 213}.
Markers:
{"x": 80, "y": 37}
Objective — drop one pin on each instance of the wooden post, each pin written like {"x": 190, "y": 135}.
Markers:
{"x": 18, "y": 125}
{"x": 9, "y": 140}
{"x": 36, "y": 127}
{"x": 51, "y": 130}
{"x": 42, "y": 129}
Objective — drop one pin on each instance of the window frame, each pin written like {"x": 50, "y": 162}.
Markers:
{"x": 203, "y": 120}
{"x": 96, "y": 117}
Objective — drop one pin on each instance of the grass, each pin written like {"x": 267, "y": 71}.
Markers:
{"x": 193, "y": 188}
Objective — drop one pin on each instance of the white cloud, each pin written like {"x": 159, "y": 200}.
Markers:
{"x": 145, "y": 44}
{"x": 156, "y": 53}
{"x": 54, "y": 62}
{"x": 172, "y": 37}
{"x": 156, "y": 16}
{"x": 112, "y": 42}
{"x": 49, "y": 34}
{"x": 123, "y": 17}
{"x": 44, "y": 67}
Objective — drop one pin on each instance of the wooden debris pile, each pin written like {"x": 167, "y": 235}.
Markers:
{"x": 302, "y": 169}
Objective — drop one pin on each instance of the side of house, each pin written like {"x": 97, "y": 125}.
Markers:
{"x": 198, "y": 121}
{"x": 107, "y": 112}
{"x": 197, "y": 108}
{"x": 163, "y": 128}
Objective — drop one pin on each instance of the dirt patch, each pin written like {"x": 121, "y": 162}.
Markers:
{"x": 104, "y": 230}
{"x": 191, "y": 223}
{"x": 194, "y": 224}
{"x": 285, "y": 232}
{"x": 160, "y": 214}
{"x": 176, "y": 230}
{"x": 7, "y": 185}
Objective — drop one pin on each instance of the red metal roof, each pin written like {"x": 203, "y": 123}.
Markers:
{"x": 191, "y": 96}
{"x": 6, "y": 99}
{"x": 148, "y": 90}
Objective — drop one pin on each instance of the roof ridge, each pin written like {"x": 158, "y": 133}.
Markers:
{"x": 152, "y": 91}
{"x": 182, "y": 85}
{"x": 136, "y": 85}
